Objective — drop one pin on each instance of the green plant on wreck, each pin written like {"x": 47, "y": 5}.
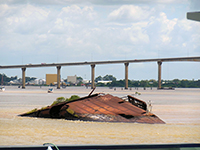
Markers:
{"x": 58, "y": 100}
{"x": 62, "y": 99}
{"x": 70, "y": 111}
{"x": 73, "y": 97}
{"x": 32, "y": 111}
{"x": 43, "y": 108}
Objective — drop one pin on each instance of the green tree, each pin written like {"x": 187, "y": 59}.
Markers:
{"x": 99, "y": 78}
{"x": 79, "y": 78}
{"x": 109, "y": 78}
{"x": 101, "y": 84}
{"x": 27, "y": 79}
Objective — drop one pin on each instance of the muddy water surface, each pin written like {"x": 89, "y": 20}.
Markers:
{"x": 179, "y": 108}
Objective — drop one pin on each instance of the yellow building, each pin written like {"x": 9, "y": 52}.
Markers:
{"x": 51, "y": 79}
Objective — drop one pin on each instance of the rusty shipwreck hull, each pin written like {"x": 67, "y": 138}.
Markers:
{"x": 100, "y": 107}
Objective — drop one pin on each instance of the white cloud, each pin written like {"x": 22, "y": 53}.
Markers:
{"x": 3, "y": 10}
{"x": 165, "y": 38}
{"x": 77, "y": 13}
{"x": 167, "y": 25}
{"x": 129, "y": 13}
{"x": 136, "y": 35}
{"x": 185, "y": 24}
{"x": 98, "y": 2}
{"x": 41, "y": 32}
{"x": 24, "y": 19}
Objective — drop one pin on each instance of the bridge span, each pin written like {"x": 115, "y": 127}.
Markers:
{"x": 94, "y": 63}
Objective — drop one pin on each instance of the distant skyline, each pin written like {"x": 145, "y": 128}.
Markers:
{"x": 61, "y": 31}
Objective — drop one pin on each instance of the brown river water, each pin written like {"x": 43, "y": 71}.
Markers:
{"x": 179, "y": 108}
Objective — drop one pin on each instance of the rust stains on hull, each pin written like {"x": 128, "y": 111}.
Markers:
{"x": 100, "y": 107}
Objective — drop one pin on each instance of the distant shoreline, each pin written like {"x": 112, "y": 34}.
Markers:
{"x": 84, "y": 90}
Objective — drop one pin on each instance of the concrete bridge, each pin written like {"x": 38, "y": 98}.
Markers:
{"x": 94, "y": 63}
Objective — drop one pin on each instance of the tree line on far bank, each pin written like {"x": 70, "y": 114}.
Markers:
{"x": 176, "y": 83}
{"x": 7, "y": 79}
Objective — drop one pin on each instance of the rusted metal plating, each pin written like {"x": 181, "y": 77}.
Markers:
{"x": 100, "y": 107}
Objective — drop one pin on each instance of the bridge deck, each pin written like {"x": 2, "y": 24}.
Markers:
{"x": 103, "y": 62}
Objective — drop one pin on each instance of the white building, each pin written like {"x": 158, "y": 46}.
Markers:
{"x": 39, "y": 81}
{"x": 13, "y": 82}
{"x": 72, "y": 79}
{"x": 104, "y": 82}
{"x": 85, "y": 81}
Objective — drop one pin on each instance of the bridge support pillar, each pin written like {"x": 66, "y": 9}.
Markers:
{"x": 159, "y": 74}
{"x": 58, "y": 77}
{"x": 126, "y": 75}
{"x": 92, "y": 76}
{"x": 23, "y": 78}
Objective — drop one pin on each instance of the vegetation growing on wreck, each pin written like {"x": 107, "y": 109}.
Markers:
{"x": 57, "y": 101}
{"x": 62, "y": 99}
{"x": 70, "y": 111}
{"x": 73, "y": 97}
{"x": 32, "y": 111}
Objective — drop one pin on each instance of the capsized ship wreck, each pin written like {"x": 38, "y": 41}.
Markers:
{"x": 100, "y": 107}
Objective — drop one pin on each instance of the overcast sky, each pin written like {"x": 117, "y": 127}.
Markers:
{"x": 59, "y": 31}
